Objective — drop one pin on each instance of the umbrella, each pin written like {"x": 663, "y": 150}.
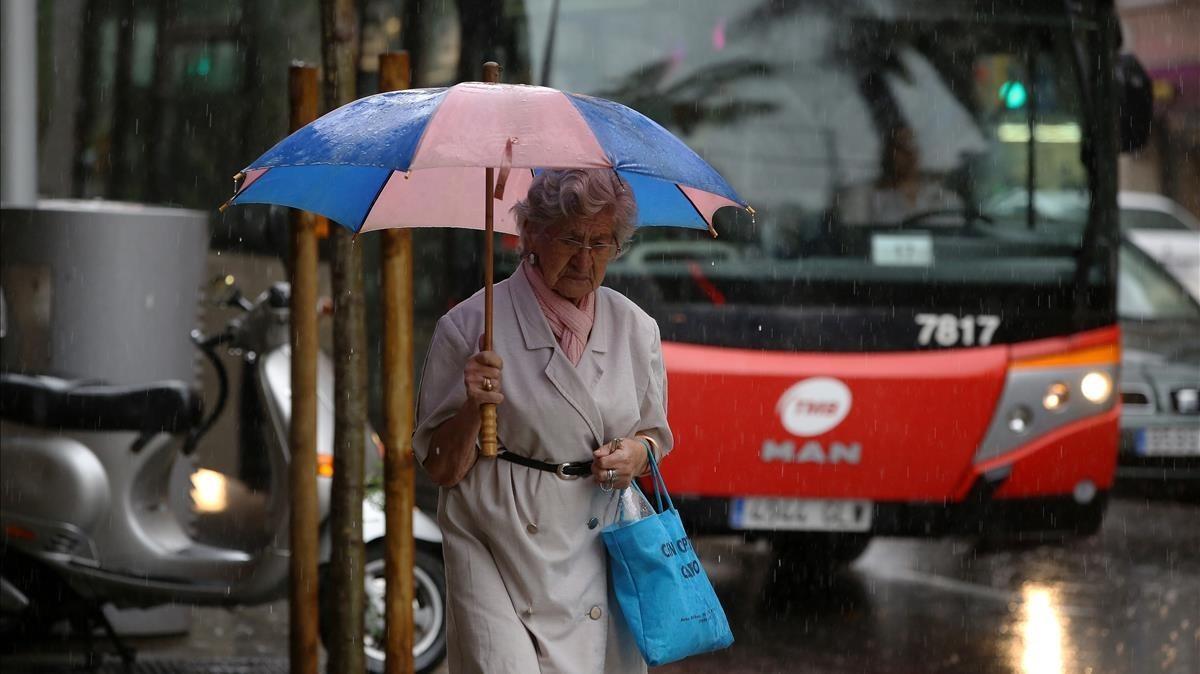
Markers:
{"x": 419, "y": 158}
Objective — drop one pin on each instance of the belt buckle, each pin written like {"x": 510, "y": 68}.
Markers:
{"x": 558, "y": 470}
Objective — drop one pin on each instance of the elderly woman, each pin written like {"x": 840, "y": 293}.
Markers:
{"x": 577, "y": 375}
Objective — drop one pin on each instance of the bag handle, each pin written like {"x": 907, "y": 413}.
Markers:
{"x": 660, "y": 490}
{"x": 660, "y": 485}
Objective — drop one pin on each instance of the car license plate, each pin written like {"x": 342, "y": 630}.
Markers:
{"x": 792, "y": 514}
{"x": 1169, "y": 441}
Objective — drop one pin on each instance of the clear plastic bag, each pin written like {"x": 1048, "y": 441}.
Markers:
{"x": 632, "y": 505}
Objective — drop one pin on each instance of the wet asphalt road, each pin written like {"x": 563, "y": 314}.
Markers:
{"x": 1126, "y": 600}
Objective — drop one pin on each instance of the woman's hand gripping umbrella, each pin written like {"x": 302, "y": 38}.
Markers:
{"x": 417, "y": 158}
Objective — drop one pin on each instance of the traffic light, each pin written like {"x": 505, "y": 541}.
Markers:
{"x": 1013, "y": 94}
{"x": 200, "y": 66}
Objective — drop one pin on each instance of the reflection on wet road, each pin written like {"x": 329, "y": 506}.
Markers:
{"x": 1127, "y": 600}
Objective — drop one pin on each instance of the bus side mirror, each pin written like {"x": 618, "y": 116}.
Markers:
{"x": 1135, "y": 101}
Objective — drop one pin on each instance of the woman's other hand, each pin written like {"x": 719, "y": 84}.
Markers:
{"x": 625, "y": 457}
{"x": 481, "y": 377}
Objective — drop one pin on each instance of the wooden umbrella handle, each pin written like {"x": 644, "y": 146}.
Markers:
{"x": 489, "y": 444}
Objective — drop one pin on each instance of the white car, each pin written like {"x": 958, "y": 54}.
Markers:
{"x": 1166, "y": 231}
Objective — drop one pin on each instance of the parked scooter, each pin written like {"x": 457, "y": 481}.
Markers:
{"x": 94, "y": 496}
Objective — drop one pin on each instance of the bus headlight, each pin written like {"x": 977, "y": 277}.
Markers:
{"x": 1056, "y": 397}
{"x": 1096, "y": 387}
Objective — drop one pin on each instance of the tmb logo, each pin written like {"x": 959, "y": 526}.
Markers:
{"x": 814, "y": 406}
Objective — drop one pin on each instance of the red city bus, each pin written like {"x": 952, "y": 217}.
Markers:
{"x": 916, "y": 333}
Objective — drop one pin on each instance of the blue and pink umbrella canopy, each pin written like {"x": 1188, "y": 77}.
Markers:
{"x": 416, "y": 158}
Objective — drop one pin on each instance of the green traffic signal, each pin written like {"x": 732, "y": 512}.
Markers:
{"x": 200, "y": 67}
{"x": 1013, "y": 94}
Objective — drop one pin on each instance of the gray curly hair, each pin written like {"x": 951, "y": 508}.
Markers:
{"x": 557, "y": 197}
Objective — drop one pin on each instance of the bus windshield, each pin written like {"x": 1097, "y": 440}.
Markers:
{"x": 892, "y": 152}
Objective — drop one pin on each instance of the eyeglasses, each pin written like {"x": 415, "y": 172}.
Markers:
{"x": 600, "y": 251}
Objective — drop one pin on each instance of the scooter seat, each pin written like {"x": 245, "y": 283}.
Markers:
{"x": 49, "y": 402}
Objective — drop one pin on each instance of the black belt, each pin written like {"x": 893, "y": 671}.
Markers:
{"x": 571, "y": 470}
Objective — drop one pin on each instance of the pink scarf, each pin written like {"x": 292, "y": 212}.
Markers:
{"x": 570, "y": 324}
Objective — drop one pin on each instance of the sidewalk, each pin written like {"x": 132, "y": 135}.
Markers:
{"x": 221, "y": 641}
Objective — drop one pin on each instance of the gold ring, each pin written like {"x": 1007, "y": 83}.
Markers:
{"x": 488, "y": 385}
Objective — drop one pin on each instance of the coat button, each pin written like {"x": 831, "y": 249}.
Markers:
{"x": 593, "y": 523}
{"x": 531, "y": 528}
{"x": 595, "y": 613}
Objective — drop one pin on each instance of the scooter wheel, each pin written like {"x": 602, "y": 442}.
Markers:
{"x": 429, "y": 608}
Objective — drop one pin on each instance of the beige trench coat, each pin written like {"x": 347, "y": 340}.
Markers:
{"x": 526, "y": 574}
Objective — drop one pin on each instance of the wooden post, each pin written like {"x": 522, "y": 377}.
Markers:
{"x": 339, "y": 48}
{"x": 398, "y": 484}
{"x": 302, "y": 478}
{"x": 489, "y": 445}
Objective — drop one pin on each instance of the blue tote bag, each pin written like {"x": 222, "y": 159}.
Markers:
{"x": 660, "y": 586}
